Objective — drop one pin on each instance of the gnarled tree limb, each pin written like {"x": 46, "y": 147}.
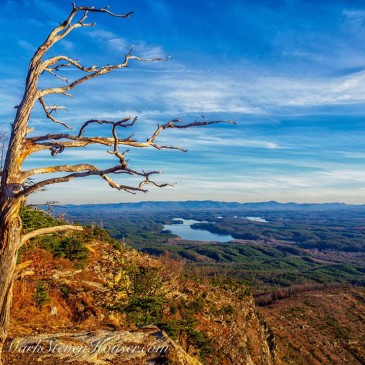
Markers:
{"x": 31, "y": 189}
{"x": 49, "y": 115}
{"x": 60, "y": 168}
{"x": 97, "y": 71}
{"x": 48, "y": 230}
{"x": 92, "y": 171}
{"x": 70, "y": 62}
{"x": 68, "y": 140}
{"x": 66, "y": 27}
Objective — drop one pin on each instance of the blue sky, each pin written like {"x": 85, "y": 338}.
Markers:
{"x": 291, "y": 73}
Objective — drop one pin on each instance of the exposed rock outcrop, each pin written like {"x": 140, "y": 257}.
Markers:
{"x": 211, "y": 324}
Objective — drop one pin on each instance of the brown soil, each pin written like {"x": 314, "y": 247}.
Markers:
{"x": 319, "y": 328}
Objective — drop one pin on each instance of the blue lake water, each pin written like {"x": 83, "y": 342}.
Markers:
{"x": 257, "y": 219}
{"x": 187, "y": 233}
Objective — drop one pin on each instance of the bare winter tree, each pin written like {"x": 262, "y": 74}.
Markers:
{"x": 14, "y": 191}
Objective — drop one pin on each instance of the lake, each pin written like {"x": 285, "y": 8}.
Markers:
{"x": 187, "y": 233}
{"x": 257, "y": 219}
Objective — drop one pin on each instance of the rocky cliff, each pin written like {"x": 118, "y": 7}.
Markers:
{"x": 142, "y": 310}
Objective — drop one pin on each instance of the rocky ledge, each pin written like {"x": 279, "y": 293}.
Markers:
{"x": 148, "y": 345}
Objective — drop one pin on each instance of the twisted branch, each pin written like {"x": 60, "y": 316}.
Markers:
{"x": 93, "y": 171}
{"x": 56, "y": 180}
{"x": 60, "y": 168}
{"x": 83, "y": 170}
{"x": 70, "y": 62}
{"x": 102, "y": 10}
{"x": 49, "y": 141}
{"x": 48, "y": 230}
{"x": 93, "y": 71}
{"x": 53, "y": 108}
{"x": 66, "y": 27}
{"x": 51, "y": 71}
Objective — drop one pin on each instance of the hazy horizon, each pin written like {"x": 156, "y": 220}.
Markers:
{"x": 206, "y": 200}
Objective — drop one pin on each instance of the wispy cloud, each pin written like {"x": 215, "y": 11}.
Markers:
{"x": 26, "y": 45}
{"x": 199, "y": 138}
{"x": 354, "y": 13}
{"x": 115, "y": 43}
{"x": 291, "y": 73}
{"x": 110, "y": 40}
{"x": 227, "y": 93}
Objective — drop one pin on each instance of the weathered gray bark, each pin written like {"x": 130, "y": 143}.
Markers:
{"x": 10, "y": 203}
{"x": 10, "y": 238}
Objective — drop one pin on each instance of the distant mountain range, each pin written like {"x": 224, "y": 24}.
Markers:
{"x": 211, "y": 205}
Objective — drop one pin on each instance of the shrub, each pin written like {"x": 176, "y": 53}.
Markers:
{"x": 144, "y": 311}
{"x": 41, "y": 294}
{"x": 72, "y": 248}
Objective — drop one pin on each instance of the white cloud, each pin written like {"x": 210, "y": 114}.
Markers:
{"x": 110, "y": 40}
{"x": 26, "y": 45}
{"x": 201, "y": 137}
{"x": 118, "y": 44}
{"x": 354, "y": 13}
{"x": 208, "y": 93}
{"x": 353, "y": 155}
{"x": 67, "y": 45}
{"x": 148, "y": 51}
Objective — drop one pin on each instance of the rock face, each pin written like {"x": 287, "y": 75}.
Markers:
{"x": 101, "y": 347}
{"x": 203, "y": 323}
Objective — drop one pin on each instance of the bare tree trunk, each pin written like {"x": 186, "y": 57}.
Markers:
{"x": 10, "y": 234}
{"x": 10, "y": 202}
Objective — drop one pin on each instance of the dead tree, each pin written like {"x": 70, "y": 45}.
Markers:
{"x": 14, "y": 191}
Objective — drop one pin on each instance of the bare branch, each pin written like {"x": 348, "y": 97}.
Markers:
{"x": 128, "y": 189}
{"x": 119, "y": 123}
{"x": 83, "y": 127}
{"x": 97, "y": 71}
{"x": 67, "y": 27}
{"x": 149, "y": 181}
{"x": 58, "y": 142}
{"x": 90, "y": 171}
{"x": 132, "y": 190}
{"x": 60, "y": 168}
{"x": 55, "y": 142}
{"x": 172, "y": 124}
{"x": 54, "y": 108}
{"x": 48, "y": 230}
{"x": 49, "y": 115}
{"x": 56, "y": 180}
{"x": 70, "y": 62}
{"x": 104, "y": 10}
{"x": 49, "y": 70}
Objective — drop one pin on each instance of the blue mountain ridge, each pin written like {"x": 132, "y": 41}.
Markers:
{"x": 213, "y": 205}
